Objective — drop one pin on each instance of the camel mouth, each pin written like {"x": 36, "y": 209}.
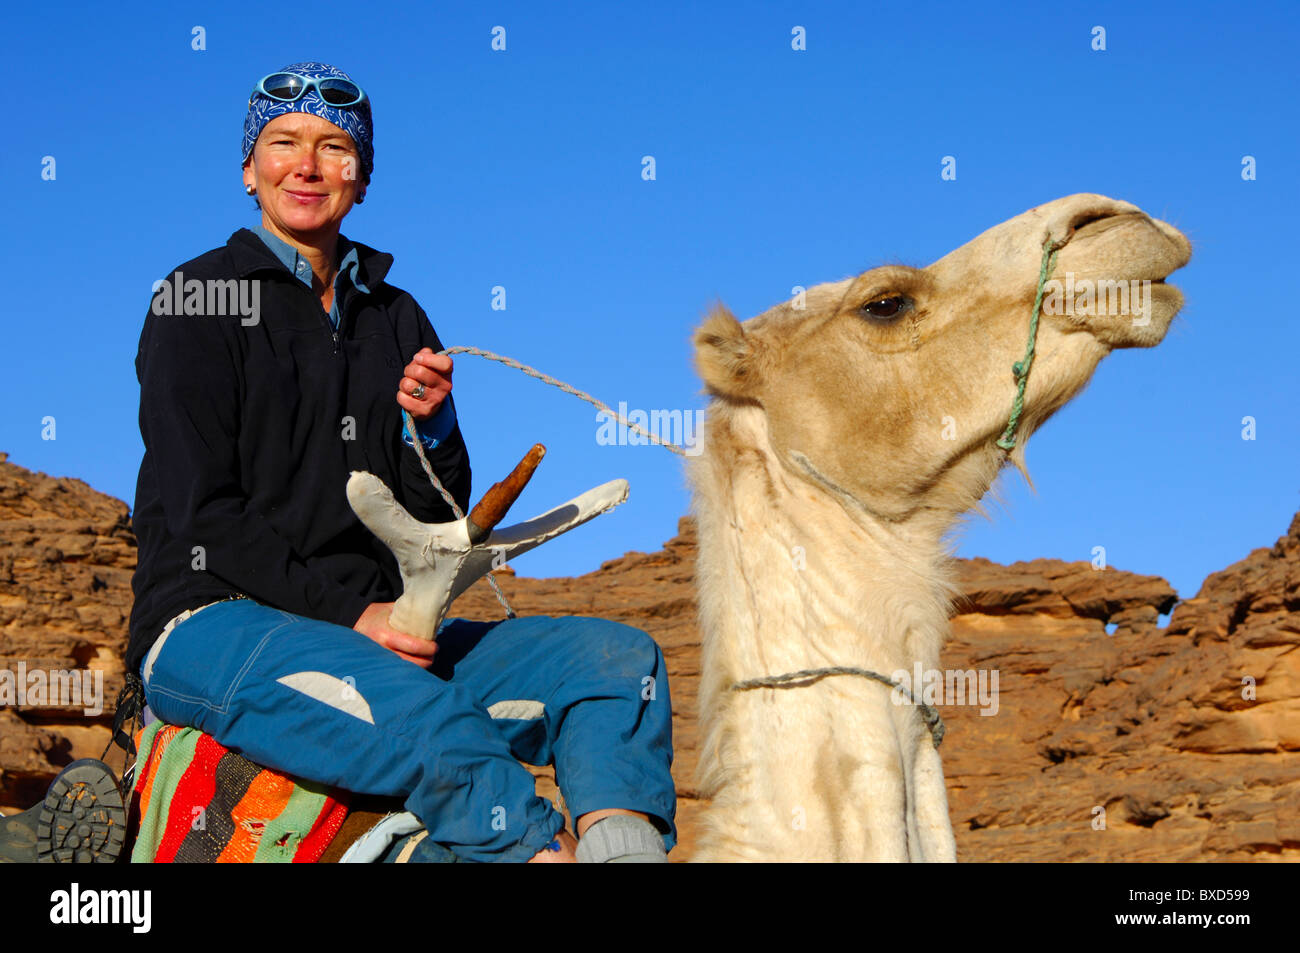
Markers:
{"x": 1135, "y": 278}
{"x": 1123, "y": 303}
{"x": 1157, "y": 281}
{"x": 1160, "y": 275}
{"x": 1152, "y": 269}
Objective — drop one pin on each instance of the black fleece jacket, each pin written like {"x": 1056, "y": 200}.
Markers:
{"x": 250, "y": 432}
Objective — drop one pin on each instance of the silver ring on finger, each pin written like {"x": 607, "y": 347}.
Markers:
{"x": 418, "y": 393}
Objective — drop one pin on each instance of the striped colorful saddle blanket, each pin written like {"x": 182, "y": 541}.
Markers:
{"x": 195, "y": 801}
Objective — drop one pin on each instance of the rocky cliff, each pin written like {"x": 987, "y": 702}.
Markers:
{"x": 1114, "y": 738}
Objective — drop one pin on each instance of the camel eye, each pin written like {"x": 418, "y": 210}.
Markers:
{"x": 889, "y": 307}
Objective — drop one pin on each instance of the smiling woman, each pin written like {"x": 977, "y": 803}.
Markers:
{"x": 307, "y": 135}
{"x": 258, "y": 590}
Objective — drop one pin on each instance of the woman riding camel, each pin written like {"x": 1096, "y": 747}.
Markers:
{"x": 253, "y": 568}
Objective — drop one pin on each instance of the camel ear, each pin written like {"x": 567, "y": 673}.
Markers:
{"x": 726, "y": 358}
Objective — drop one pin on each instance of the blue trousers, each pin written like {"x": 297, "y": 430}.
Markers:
{"x": 324, "y": 702}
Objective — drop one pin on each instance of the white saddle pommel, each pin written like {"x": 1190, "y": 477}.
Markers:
{"x": 438, "y": 561}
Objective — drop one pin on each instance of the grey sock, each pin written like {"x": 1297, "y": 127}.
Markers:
{"x": 622, "y": 839}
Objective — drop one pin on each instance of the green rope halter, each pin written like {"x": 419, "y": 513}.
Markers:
{"x": 1021, "y": 368}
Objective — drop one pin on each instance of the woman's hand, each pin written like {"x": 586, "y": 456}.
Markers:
{"x": 434, "y": 372}
{"x": 373, "y": 624}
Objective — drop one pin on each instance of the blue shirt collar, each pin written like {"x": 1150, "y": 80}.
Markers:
{"x": 300, "y": 267}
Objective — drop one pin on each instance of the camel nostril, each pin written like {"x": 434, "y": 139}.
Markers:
{"x": 1090, "y": 219}
{"x": 1093, "y": 223}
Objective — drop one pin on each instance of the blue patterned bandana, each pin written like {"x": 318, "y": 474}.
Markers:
{"x": 354, "y": 120}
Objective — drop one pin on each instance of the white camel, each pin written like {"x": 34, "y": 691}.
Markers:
{"x": 843, "y": 440}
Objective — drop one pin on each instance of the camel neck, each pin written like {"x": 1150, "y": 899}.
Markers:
{"x": 788, "y": 580}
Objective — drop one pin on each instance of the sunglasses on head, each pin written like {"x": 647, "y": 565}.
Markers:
{"x": 288, "y": 87}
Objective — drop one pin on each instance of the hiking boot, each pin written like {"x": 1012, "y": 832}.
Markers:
{"x": 81, "y": 821}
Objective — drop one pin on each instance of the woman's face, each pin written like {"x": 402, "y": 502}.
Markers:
{"x": 307, "y": 173}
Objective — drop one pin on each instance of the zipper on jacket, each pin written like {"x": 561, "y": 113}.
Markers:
{"x": 334, "y": 333}
{"x": 343, "y": 319}
{"x": 329, "y": 324}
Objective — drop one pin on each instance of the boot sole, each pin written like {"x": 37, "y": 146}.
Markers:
{"x": 82, "y": 820}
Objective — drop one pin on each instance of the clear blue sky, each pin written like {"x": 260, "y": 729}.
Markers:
{"x": 774, "y": 168}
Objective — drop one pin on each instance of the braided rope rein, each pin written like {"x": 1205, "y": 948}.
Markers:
{"x": 544, "y": 378}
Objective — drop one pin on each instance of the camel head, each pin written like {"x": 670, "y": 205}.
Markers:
{"x": 892, "y": 388}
